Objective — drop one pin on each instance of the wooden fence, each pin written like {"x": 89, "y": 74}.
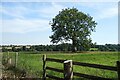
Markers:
{"x": 68, "y": 69}
{"x": 9, "y": 59}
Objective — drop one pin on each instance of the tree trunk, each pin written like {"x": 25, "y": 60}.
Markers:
{"x": 74, "y": 48}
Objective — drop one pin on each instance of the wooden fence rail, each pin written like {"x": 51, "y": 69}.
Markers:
{"x": 54, "y": 69}
{"x": 55, "y": 60}
{"x": 90, "y": 76}
{"x": 95, "y": 66}
{"x": 68, "y": 69}
{"x": 54, "y": 77}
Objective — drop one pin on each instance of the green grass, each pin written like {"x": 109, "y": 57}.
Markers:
{"x": 93, "y": 49}
{"x": 32, "y": 62}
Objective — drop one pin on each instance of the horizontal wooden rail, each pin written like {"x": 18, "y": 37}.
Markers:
{"x": 55, "y": 60}
{"x": 112, "y": 68}
{"x": 90, "y": 76}
{"x": 79, "y": 74}
{"x": 54, "y": 69}
{"x": 54, "y": 77}
{"x": 95, "y": 66}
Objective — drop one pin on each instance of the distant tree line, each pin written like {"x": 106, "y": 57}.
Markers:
{"x": 107, "y": 47}
{"x": 60, "y": 47}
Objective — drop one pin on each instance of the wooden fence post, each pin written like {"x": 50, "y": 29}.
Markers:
{"x": 9, "y": 61}
{"x": 68, "y": 70}
{"x": 16, "y": 59}
{"x": 8, "y": 56}
{"x": 44, "y": 67}
{"x": 118, "y": 69}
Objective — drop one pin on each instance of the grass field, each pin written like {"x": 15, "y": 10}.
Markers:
{"x": 32, "y": 62}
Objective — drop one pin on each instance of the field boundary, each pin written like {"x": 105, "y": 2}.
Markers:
{"x": 68, "y": 69}
{"x": 1, "y": 66}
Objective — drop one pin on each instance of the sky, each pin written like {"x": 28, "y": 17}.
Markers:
{"x": 27, "y": 23}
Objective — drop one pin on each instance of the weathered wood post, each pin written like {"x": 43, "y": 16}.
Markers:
{"x": 16, "y": 59}
{"x": 8, "y": 56}
{"x": 68, "y": 70}
{"x": 44, "y": 67}
{"x": 118, "y": 69}
{"x": 9, "y": 61}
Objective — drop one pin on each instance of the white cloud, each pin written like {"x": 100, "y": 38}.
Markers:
{"x": 101, "y": 10}
{"x": 20, "y": 10}
{"x": 20, "y": 23}
{"x": 15, "y": 12}
{"x": 23, "y": 25}
{"x": 52, "y": 10}
{"x": 89, "y": 4}
{"x": 107, "y": 13}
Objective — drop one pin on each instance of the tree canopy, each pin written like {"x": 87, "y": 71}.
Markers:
{"x": 73, "y": 25}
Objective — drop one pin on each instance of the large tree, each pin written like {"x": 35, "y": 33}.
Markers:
{"x": 71, "y": 24}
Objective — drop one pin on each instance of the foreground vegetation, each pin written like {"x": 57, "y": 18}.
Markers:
{"x": 32, "y": 62}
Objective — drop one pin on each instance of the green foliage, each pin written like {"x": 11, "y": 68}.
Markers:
{"x": 70, "y": 24}
{"x": 4, "y": 49}
{"x": 107, "y": 47}
{"x": 93, "y": 49}
{"x": 14, "y": 49}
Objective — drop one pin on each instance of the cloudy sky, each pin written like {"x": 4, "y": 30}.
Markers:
{"x": 28, "y": 22}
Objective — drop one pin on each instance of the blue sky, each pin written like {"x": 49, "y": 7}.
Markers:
{"x": 27, "y": 23}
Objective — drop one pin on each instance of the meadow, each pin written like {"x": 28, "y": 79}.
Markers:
{"x": 32, "y": 62}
